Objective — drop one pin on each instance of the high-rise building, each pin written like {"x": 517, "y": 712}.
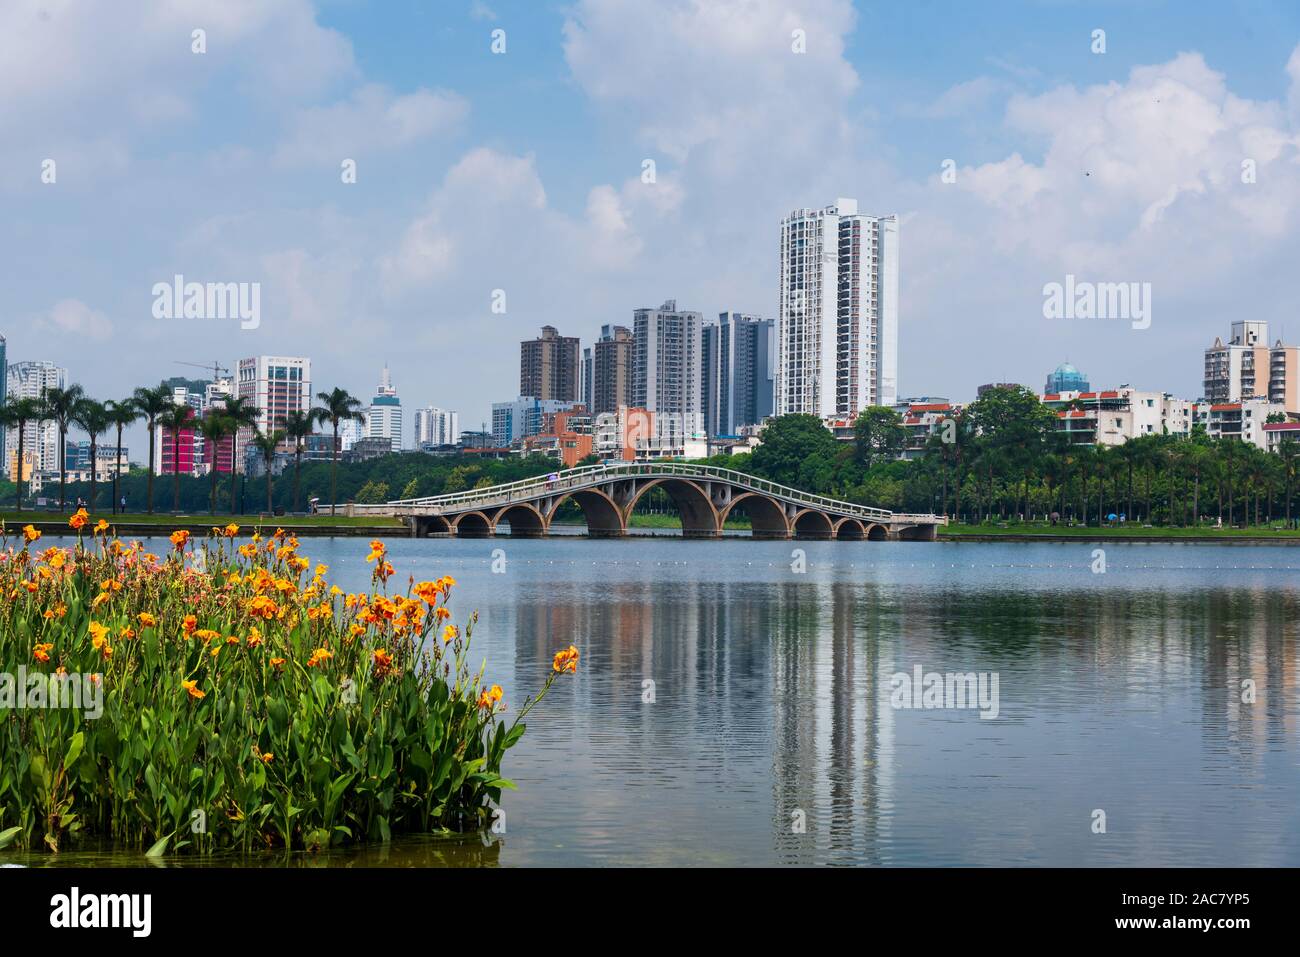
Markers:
{"x": 1247, "y": 367}
{"x": 585, "y": 379}
{"x": 434, "y": 426}
{"x": 31, "y": 380}
{"x": 737, "y": 366}
{"x": 1066, "y": 378}
{"x": 666, "y": 364}
{"x": 384, "y": 420}
{"x": 837, "y": 325}
{"x": 275, "y": 386}
{"x": 611, "y": 370}
{"x": 548, "y": 366}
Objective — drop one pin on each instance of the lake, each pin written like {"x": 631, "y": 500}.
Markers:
{"x": 735, "y": 703}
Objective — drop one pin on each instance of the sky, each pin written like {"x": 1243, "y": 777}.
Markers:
{"x": 1168, "y": 157}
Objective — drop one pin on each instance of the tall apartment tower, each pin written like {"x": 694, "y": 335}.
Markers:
{"x": 585, "y": 378}
{"x": 384, "y": 418}
{"x": 275, "y": 386}
{"x": 549, "y": 367}
{"x": 30, "y": 380}
{"x": 4, "y": 391}
{"x": 1248, "y": 367}
{"x": 434, "y": 426}
{"x": 837, "y": 325}
{"x": 666, "y": 363}
{"x": 737, "y": 371}
{"x": 611, "y": 370}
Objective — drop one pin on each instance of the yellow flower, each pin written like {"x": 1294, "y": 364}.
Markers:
{"x": 30, "y": 533}
{"x": 232, "y": 530}
{"x": 79, "y": 519}
{"x": 318, "y": 656}
{"x": 98, "y": 634}
{"x": 179, "y": 538}
{"x": 566, "y": 660}
{"x": 101, "y": 527}
{"x": 146, "y": 620}
{"x": 376, "y": 551}
{"x": 189, "y": 624}
{"x": 254, "y": 637}
{"x": 450, "y": 632}
{"x": 42, "y": 651}
{"x": 192, "y": 688}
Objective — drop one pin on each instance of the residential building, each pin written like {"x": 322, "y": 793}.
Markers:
{"x": 1247, "y": 367}
{"x": 434, "y": 426}
{"x": 666, "y": 364}
{"x": 837, "y": 324}
{"x": 384, "y": 418}
{"x": 275, "y": 386}
{"x": 1066, "y": 378}
{"x": 1114, "y": 416}
{"x": 4, "y": 390}
{"x": 923, "y": 419}
{"x": 350, "y": 432}
{"x": 1275, "y": 433}
{"x": 585, "y": 377}
{"x": 738, "y": 354}
{"x": 549, "y": 367}
{"x": 611, "y": 370}
{"x": 516, "y": 420}
{"x": 567, "y": 438}
{"x": 1244, "y": 420}
{"x": 31, "y": 380}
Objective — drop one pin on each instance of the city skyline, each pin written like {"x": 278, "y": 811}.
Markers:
{"x": 1063, "y": 161}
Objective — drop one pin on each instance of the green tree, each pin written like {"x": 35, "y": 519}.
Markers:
{"x": 173, "y": 421}
{"x": 878, "y": 435}
{"x": 336, "y": 406}
{"x": 242, "y": 414}
{"x": 266, "y": 443}
{"x": 60, "y": 408}
{"x": 795, "y": 446}
{"x": 298, "y": 426}
{"x": 92, "y": 417}
{"x": 215, "y": 428}
{"x": 120, "y": 415}
{"x": 17, "y": 414}
{"x": 152, "y": 403}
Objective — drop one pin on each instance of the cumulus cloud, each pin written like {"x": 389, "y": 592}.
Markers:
{"x": 70, "y": 321}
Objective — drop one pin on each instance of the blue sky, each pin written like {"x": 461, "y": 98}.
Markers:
{"x": 522, "y": 172}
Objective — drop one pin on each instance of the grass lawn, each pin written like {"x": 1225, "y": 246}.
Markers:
{"x": 1016, "y": 530}
{"x": 18, "y": 519}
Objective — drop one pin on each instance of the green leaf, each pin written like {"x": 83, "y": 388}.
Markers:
{"x": 74, "y": 749}
{"x": 159, "y": 848}
{"x": 7, "y": 837}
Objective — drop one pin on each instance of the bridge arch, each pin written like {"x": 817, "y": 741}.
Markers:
{"x": 429, "y": 526}
{"x": 877, "y": 533}
{"x": 698, "y": 514}
{"x": 603, "y": 517}
{"x": 812, "y": 523}
{"x": 473, "y": 525}
{"x": 524, "y": 519}
{"x": 766, "y": 515}
{"x": 850, "y": 529}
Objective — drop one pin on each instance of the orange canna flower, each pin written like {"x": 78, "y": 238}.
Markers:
{"x": 449, "y": 633}
{"x": 42, "y": 652}
{"x": 192, "y": 688}
{"x": 79, "y": 519}
{"x": 30, "y": 533}
{"x": 318, "y": 656}
{"x": 146, "y": 620}
{"x": 179, "y": 538}
{"x": 101, "y": 527}
{"x": 232, "y": 530}
{"x": 566, "y": 660}
{"x": 189, "y": 624}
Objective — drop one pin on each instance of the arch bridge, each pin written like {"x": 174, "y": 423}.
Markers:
{"x": 705, "y": 497}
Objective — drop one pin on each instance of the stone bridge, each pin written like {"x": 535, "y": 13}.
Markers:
{"x": 704, "y": 496}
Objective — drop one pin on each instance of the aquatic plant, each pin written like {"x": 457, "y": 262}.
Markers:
{"x": 226, "y": 695}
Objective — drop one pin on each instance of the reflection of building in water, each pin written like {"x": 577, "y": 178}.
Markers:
{"x": 832, "y": 726}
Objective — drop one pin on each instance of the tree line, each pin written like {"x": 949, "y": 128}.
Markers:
{"x": 1002, "y": 458}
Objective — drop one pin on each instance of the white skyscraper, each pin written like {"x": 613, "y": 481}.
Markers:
{"x": 837, "y": 325}
{"x": 434, "y": 426}
{"x": 666, "y": 346}
{"x": 30, "y": 380}
{"x": 384, "y": 420}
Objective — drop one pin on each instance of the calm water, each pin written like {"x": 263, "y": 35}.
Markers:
{"x": 771, "y": 701}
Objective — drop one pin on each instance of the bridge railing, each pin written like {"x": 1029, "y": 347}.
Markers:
{"x": 574, "y": 479}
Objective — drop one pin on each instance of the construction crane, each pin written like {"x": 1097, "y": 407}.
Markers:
{"x": 218, "y": 370}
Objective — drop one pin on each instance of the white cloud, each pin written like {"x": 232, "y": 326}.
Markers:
{"x": 70, "y": 321}
{"x": 371, "y": 120}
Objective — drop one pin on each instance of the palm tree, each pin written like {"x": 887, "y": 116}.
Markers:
{"x": 267, "y": 443}
{"x": 242, "y": 414}
{"x": 1289, "y": 451}
{"x": 18, "y": 413}
{"x": 152, "y": 404}
{"x": 173, "y": 420}
{"x": 120, "y": 415}
{"x": 338, "y": 406}
{"x": 60, "y": 408}
{"x": 298, "y": 426}
{"x": 215, "y": 429}
{"x": 93, "y": 418}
